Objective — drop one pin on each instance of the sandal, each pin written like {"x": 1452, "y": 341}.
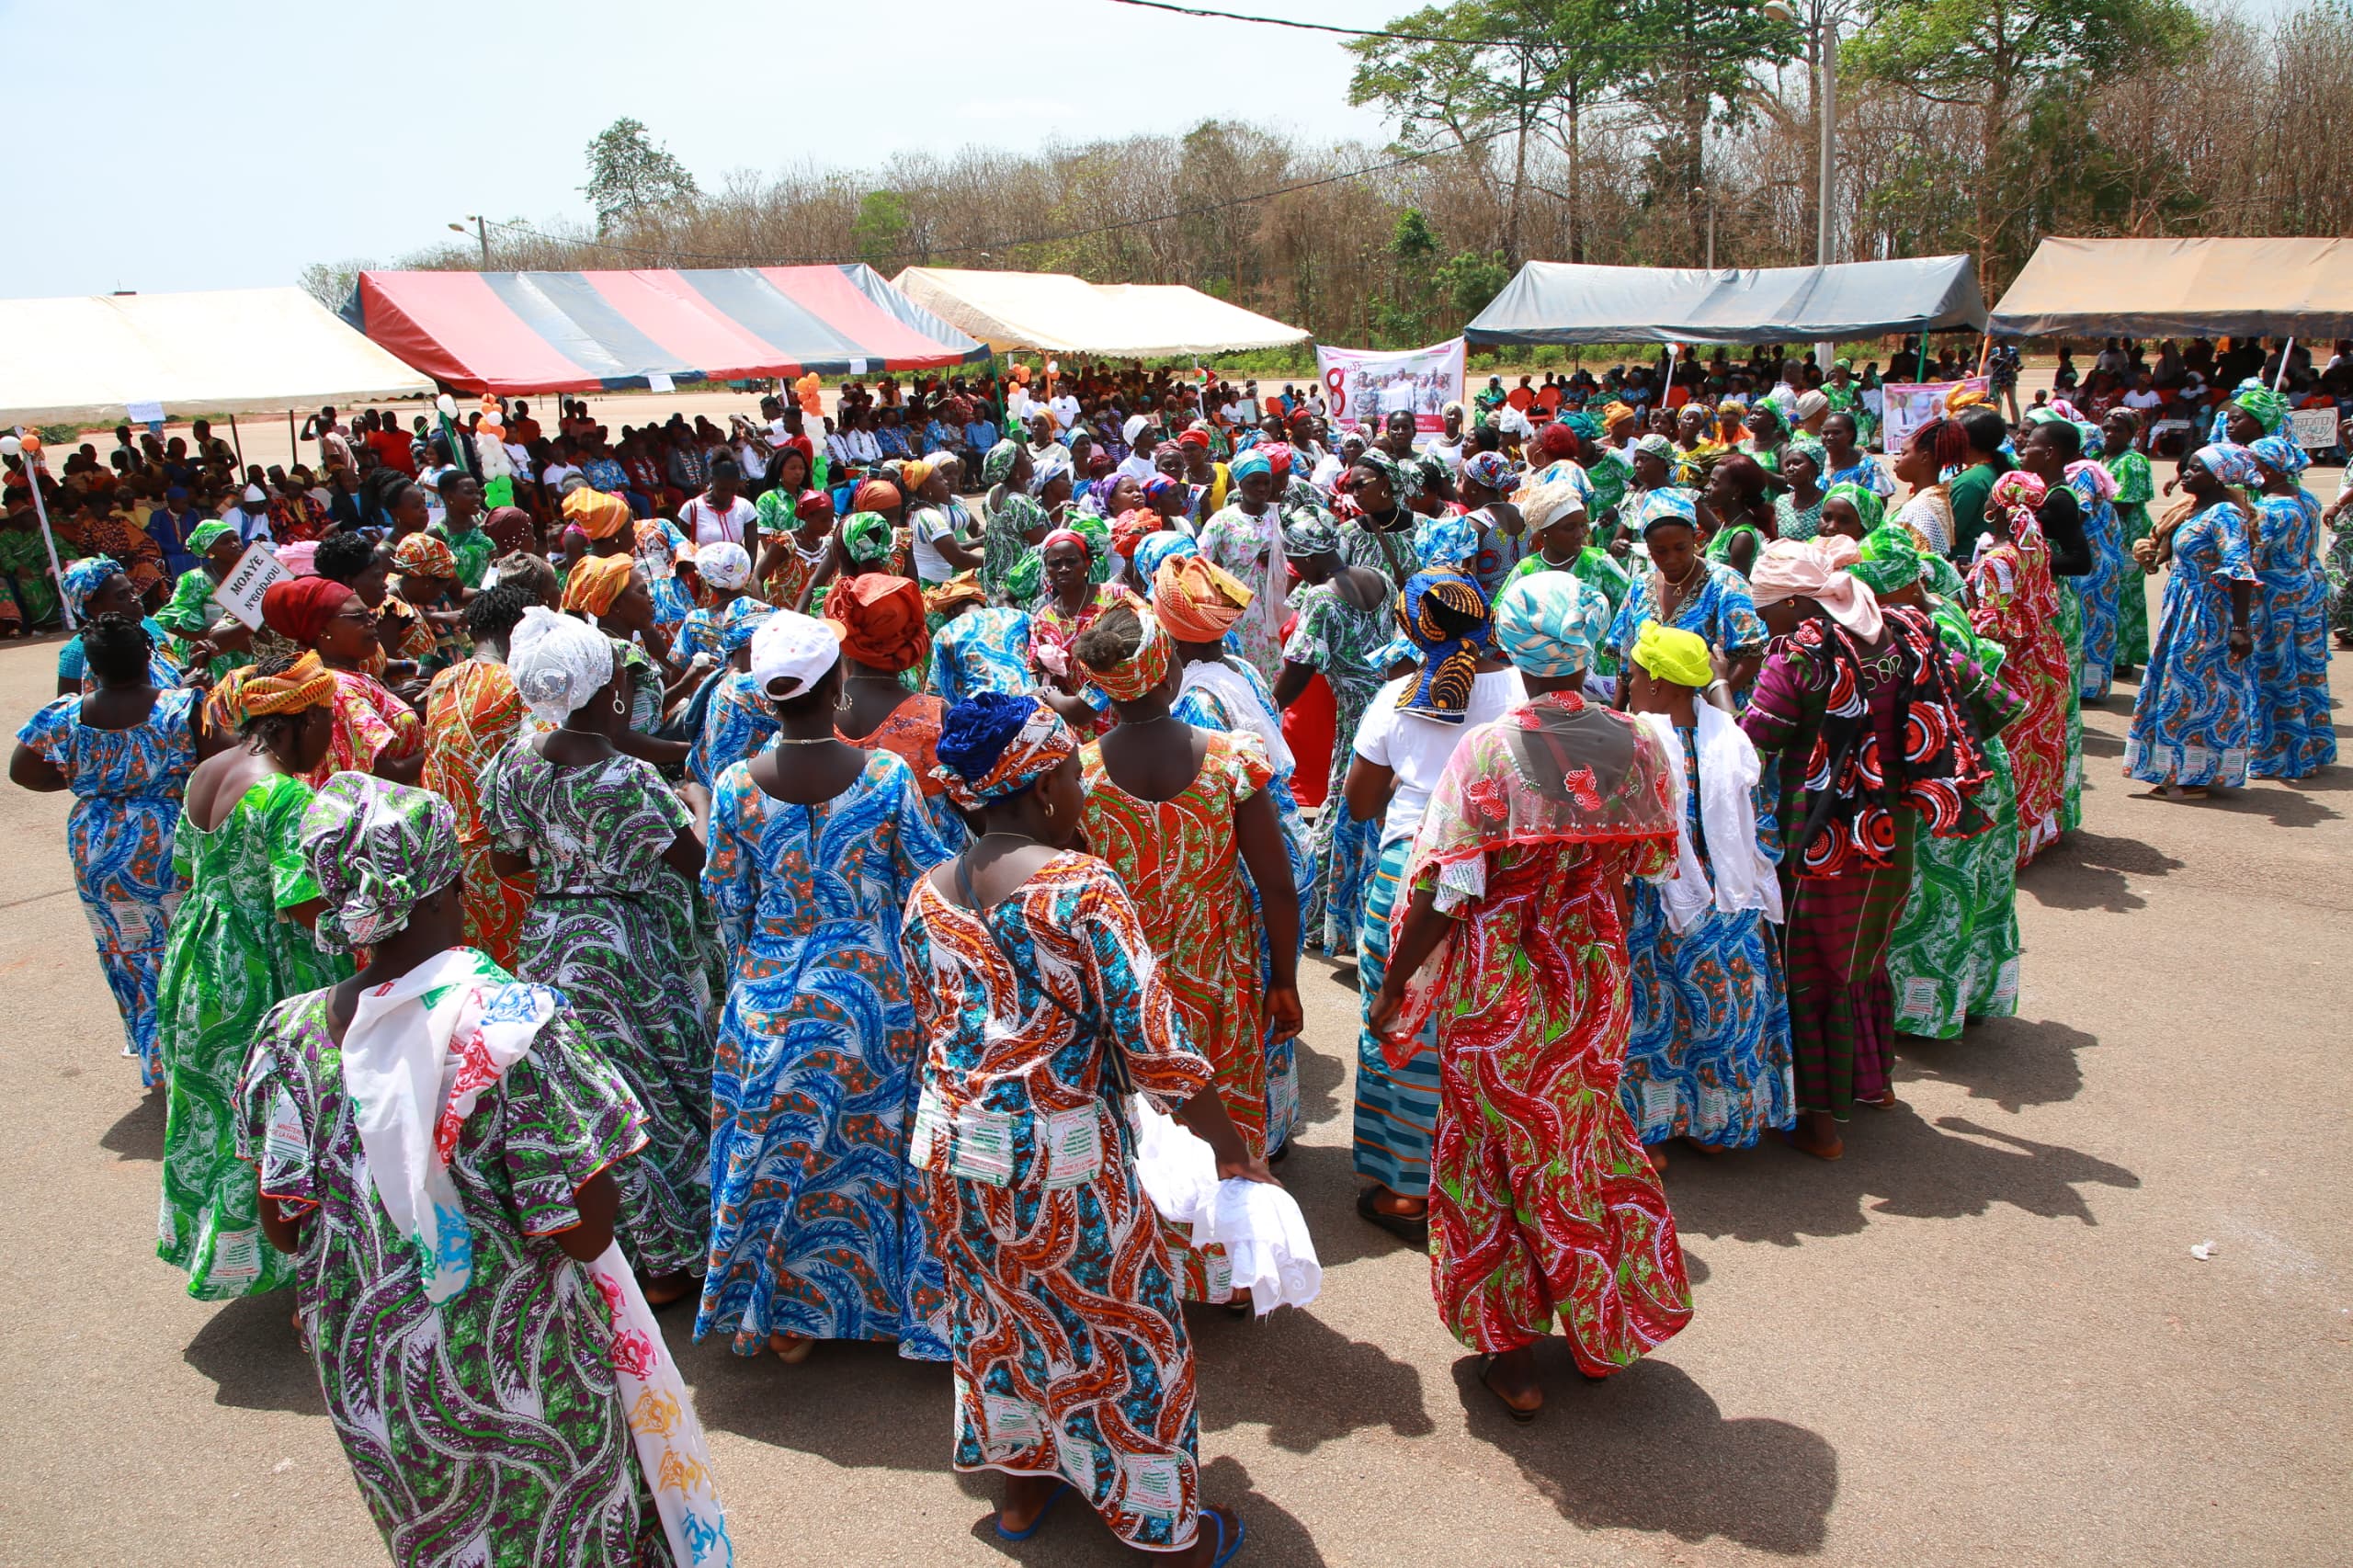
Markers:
{"x": 1227, "y": 1550}
{"x": 1414, "y": 1230}
{"x": 792, "y": 1349}
{"x": 1061, "y": 1490}
{"x": 1519, "y": 1416}
{"x": 1804, "y": 1146}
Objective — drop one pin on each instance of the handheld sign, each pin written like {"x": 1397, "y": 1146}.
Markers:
{"x": 240, "y": 592}
{"x": 2315, "y": 428}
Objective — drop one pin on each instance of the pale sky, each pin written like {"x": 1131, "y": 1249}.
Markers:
{"x": 225, "y": 144}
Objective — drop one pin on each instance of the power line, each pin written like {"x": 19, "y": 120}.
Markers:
{"x": 987, "y": 246}
{"x": 1304, "y": 27}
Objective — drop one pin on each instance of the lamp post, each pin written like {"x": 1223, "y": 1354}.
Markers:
{"x": 1704, "y": 193}
{"x": 481, "y": 234}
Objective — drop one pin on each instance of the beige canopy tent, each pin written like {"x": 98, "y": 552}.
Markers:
{"x": 2238, "y": 287}
{"x": 226, "y": 351}
{"x": 1053, "y": 313}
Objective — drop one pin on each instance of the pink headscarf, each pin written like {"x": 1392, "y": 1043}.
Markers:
{"x": 1817, "y": 569}
{"x": 297, "y": 557}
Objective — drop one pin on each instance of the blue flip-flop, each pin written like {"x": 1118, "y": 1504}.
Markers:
{"x": 1227, "y": 1550}
{"x": 1059, "y": 1492}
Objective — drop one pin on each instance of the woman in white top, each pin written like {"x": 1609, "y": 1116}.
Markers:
{"x": 1410, "y": 730}
{"x": 720, "y": 516}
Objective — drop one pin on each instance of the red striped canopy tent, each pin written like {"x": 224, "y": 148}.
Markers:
{"x": 557, "y": 332}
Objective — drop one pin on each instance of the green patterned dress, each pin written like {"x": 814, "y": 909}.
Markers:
{"x": 2134, "y": 490}
{"x": 232, "y": 956}
{"x": 486, "y": 1431}
{"x": 1954, "y": 956}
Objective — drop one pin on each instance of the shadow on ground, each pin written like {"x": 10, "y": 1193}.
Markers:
{"x": 2014, "y": 1062}
{"x": 138, "y": 1133}
{"x": 1073, "y": 1535}
{"x": 1896, "y": 1162}
{"x": 250, "y": 1352}
{"x": 1650, "y": 1451}
{"x": 2091, "y": 870}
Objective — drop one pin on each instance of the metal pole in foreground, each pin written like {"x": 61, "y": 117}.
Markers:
{"x": 11, "y": 447}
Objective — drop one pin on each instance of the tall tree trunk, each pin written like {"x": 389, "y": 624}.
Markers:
{"x": 1576, "y": 175}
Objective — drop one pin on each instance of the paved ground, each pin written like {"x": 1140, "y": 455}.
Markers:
{"x": 1981, "y": 1338}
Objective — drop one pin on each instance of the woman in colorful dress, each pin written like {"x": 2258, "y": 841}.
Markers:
{"x": 2292, "y": 735}
{"x": 238, "y": 949}
{"x": 1954, "y": 957}
{"x": 1935, "y": 447}
{"x": 2048, "y": 451}
{"x": 2013, "y": 602}
{"x": 816, "y": 1231}
{"x": 100, "y": 586}
{"x": 1246, "y": 538}
{"x": 1181, "y": 815}
{"x": 2098, "y": 589}
{"x": 976, "y": 646}
{"x": 124, "y": 751}
{"x": 2135, "y": 488}
{"x": 374, "y": 731}
{"x": 1735, "y": 498}
{"x": 1074, "y": 597}
{"x": 1797, "y": 510}
{"x": 1544, "y": 1211}
{"x": 611, "y": 850}
{"x": 880, "y": 619}
{"x": 1379, "y": 532}
{"x": 472, "y": 712}
{"x": 1859, "y": 707}
{"x": 427, "y": 591}
{"x": 1685, "y": 590}
{"x": 1340, "y": 617}
{"x": 1708, "y": 1059}
{"x": 2193, "y": 724}
{"x": 1844, "y": 461}
{"x": 439, "y": 1249}
{"x": 1036, "y": 989}
{"x": 729, "y": 718}
{"x": 1409, "y": 730}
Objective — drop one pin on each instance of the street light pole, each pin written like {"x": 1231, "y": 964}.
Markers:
{"x": 1822, "y": 35}
{"x": 481, "y": 235}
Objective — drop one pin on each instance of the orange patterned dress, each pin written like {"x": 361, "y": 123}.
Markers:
{"x": 472, "y": 713}
{"x": 912, "y": 734}
{"x": 369, "y": 722}
{"x": 1181, "y": 863}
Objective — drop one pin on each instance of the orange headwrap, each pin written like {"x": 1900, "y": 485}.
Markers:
{"x": 595, "y": 513}
{"x": 962, "y": 588}
{"x": 596, "y": 581}
{"x": 1196, "y": 599}
{"x": 242, "y": 694}
{"x": 882, "y": 621}
{"x": 875, "y": 495}
{"x": 1142, "y": 672}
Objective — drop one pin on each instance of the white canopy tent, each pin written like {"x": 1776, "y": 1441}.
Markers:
{"x": 1053, "y": 313}
{"x": 227, "y": 351}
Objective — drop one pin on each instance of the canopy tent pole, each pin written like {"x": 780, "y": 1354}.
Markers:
{"x": 2285, "y": 350}
{"x": 293, "y": 443}
{"x": 15, "y": 447}
{"x": 239, "y": 442}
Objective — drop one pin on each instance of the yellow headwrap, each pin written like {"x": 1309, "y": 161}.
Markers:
{"x": 1670, "y": 653}
{"x": 596, "y": 581}
{"x": 1614, "y": 413}
{"x": 595, "y": 513}
{"x": 241, "y": 694}
{"x": 915, "y": 471}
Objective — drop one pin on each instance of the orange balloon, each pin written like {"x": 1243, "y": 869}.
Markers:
{"x": 32, "y": 443}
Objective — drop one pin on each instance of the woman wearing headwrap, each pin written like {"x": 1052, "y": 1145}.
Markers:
{"x": 815, "y": 844}
{"x": 1850, "y": 511}
{"x": 1845, "y": 462}
{"x": 883, "y": 635}
{"x": 1559, "y": 515}
{"x": 374, "y": 732}
{"x": 1034, "y": 987}
{"x": 2193, "y": 723}
{"x": 1685, "y": 590}
{"x": 725, "y": 570}
{"x": 979, "y": 646}
{"x": 794, "y": 554}
{"x": 1809, "y": 413}
{"x": 1409, "y": 730}
{"x": 657, "y": 557}
{"x": 2254, "y": 411}
{"x": 460, "y": 1218}
{"x": 1012, "y": 522}
{"x": 472, "y": 712}
{"x": 428, "y": 594}
{"x": 1339, "y": 618}
{"x": 1244, "y": 538}
{"x": 2291, "y": 734}
{"x": 937, "y": 549}
{"x": 609, "y": 593}
{"x": 1860, "y": 707}
{"x": 1183, "y": 815}
{"x": 2048, "y": 453}
{"x": 1708, "y": 1059}
{"x": 1074, "y": 595}
{"x": 124, "y": 752}
{"x": 605, "y": 521}
{"x": 2054, "y": 450}
{"x": 1954, "y": 960}
{"x": 2135, "y": 488}
{"x": 2014, "y": 603}
{"x": 96, "y": 586}
{"x": 189, "y": 614}
{"x": 729, "y": 717}
{"x": 237, "y": 948}
{"x": 1380, "y": 535}
{"x": 1797, "y": 510}
{"x": 1543, "y": 1212}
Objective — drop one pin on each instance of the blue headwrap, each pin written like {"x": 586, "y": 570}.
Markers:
{"x": 996, "y": 743}
{"x": 1446, "y": 616}
{"x": 1247, "y": 464}
{"x": 2282, "y": 454}
{"x": 1544, "y": 625}
{"x": 1445, "y": 544}
{"x": 1165, "y": 545}
{"x": 2228, "y": 461}
{"x": 739, "y": 620}
{"x": 86, "y": 577}
{"x": 1668, "y": 505}
{"x": 1046, "y": 470}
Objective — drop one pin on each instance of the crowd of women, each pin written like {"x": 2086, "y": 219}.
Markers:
{"x": 803, "y": 925}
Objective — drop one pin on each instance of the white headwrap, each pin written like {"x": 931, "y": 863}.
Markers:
{"x": 724, "y": 564}
{"x": 1808, "y": 404}
{"x": 558, "y": 662}
{"x": 1560, "y": 489}
{"x": 790, "y": 653}
{"x": 1136, "y": 426}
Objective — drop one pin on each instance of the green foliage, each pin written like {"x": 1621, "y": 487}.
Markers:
{"x": 1469, "y": 282}
{"x": 883, "y": 223}
{"x": 1983, "y": 51}
{"x": 1413, "y": 243}
{"x": 630, "y": 179}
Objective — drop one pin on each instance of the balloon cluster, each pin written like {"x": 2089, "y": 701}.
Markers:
{"x": 490, "y": 442}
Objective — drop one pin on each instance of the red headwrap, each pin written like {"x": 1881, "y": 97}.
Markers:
{"x": 298, "y": 609}
{"x": 1555, "y": 442}
{"x": 1132, "y": 529}
{"x": 882, "y": 621}
{"x": 812, "y": 505}
{"x": 1194, "y": 438}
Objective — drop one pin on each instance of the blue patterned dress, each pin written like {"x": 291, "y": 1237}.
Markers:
{"x": 815, "y": 1230}
{"x": 982, "y": 649}
{"x": 1709, "y": 1057}
{"x": 2292, "y": 734}
{"x": 1339, "y": 641}
{"x": 1071, "y": 1355}
{"x": 2100, "y": 590}
{"x": 126, "y": 786}
{"x": 2193, "y": 723}
{"x": 737, "y": 723}
{"x": 1721, "y": 611}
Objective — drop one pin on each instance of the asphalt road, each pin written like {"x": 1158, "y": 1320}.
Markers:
{"x": 1981, "y": 1338}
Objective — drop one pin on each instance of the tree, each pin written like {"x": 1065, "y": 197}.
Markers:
{"x": 630, "y": 179}
{"x": 1694, "y": 63}
{"x": 2001, "y": 59}
{"x": 880, "y": 225}
{"x": 331, "y": 283}
{"x": 1469, "y": 283}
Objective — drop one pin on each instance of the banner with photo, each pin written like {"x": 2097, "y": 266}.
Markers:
{"x": 1910, "y": 405}
{"x": 1366, "y": 384}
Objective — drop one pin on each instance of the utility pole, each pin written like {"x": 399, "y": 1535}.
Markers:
{"x": 481, "y": 235}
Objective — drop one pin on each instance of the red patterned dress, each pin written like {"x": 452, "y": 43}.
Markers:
{"x": 912, "y": 734}
{"x": 369, "y": 722}
{"x": 2016, "y": 604}
{"x": 1069, "y": 1348}
{"x": 472, "y": 713}
{"x": 1542, "y": 1205}
{"x": 1182, "y": 864}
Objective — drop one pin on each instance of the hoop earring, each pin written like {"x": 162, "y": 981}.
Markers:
{"x": 621, "y": 704}
{"x": 841, "y": 703}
